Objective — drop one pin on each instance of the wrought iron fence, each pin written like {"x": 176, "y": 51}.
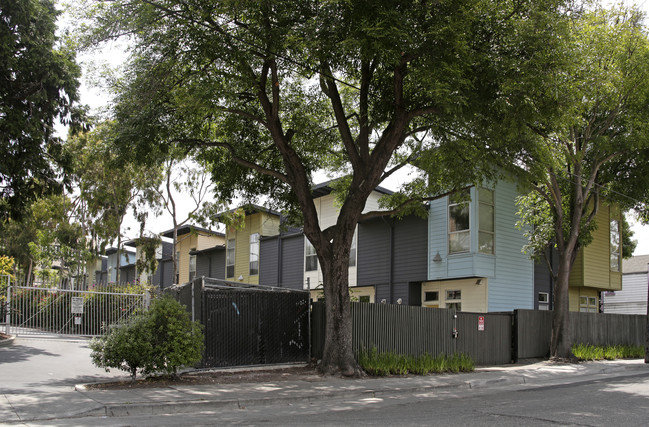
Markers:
{"x": 37, "y": 311}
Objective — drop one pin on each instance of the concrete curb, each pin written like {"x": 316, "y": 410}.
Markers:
{"x": 206, "y": 405}
{"x": 214, "y": 404}
{"x": 7, "y": 341}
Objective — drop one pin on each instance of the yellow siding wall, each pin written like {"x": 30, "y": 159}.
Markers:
{"x": 189, "y": 241}
{"x": 474, "y": 297}
{"x": 261, "y": 222}
{"x": 576, "y": 293}
{"x": 592, "y": 267}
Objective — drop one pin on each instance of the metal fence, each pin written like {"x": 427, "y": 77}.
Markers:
{"x": 248, "y": 324}
{"x": 39, "y": 311}
{"x": 488, "y": 338}
{"x": 411, "y": 330}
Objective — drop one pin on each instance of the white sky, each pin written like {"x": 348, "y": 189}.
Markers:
{"x": 97, "y": 98}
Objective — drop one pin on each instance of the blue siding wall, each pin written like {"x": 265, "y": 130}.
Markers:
{"x": 509, "y": 271}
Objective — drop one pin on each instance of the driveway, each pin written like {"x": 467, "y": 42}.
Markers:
{"x": 38, "y": 365}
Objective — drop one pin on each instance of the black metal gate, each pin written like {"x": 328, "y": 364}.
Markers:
{"x": 250, "y": 324}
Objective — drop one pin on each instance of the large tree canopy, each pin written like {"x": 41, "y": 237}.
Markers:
{"x": 586, "y": 134}
{"x": 271, "y": 91}
{"x": 38, "y": 85}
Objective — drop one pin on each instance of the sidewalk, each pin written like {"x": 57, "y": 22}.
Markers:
{"x": 82, "y": 402}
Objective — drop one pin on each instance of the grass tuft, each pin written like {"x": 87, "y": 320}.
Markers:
{"x": 388, "y": 363}
{"x": 592, "y": 352}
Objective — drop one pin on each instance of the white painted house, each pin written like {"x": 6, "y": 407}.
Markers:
{"x": 632, "y": 299}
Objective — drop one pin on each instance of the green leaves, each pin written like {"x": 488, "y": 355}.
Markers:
{"x": 38, "y": 86}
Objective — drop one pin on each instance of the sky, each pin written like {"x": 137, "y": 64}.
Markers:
{"x": 94, "y": 95}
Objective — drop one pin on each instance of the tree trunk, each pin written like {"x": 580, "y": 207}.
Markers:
{"x": 338, "y": 355}
{"x": 560, "y": 342}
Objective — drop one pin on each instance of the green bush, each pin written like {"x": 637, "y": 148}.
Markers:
{"x": 127, "y": 346}
{"x": 388, "y": 363}
{"x": 160, "y": 340}
{"x": 178, "y": 341}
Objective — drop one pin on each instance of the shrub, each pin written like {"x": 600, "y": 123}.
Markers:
{"x": 127, "y": 346}
{"x": 161, "y": 339}
{"x": 178, "y": 341}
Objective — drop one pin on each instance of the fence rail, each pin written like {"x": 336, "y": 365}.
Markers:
{"x": 38, "y": 311}
{"x": 488, "y": 338}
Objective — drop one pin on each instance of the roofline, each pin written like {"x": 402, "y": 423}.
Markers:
{"x": 250, "y": 209}
{"x": 324, "y": 188}
{"x": 185, "y": 229}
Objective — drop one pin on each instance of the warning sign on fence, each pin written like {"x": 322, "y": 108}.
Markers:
{"x": 77, "y": 305}
{"x": 481, "y": 323}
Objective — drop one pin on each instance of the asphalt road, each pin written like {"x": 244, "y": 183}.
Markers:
{"x": 36, "y": 365}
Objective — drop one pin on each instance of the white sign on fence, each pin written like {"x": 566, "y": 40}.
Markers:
{"x": 481, "y": 323}
{"x": 77, "y": 305}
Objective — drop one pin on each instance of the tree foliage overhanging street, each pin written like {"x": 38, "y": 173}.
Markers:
{"x": 268, "y": 93}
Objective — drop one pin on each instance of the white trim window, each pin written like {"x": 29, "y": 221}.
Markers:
{"x": 615, "y": 245}
{"x": 229, "y": 258}
{"x": 310, "y": 257}
{"x": 459, "y": 228}
{"x": 352, "y": 252}
{"x": 453, "y": 299}
{"x": 254, "y": 254}
{"x": 486, "y": 220}
{"x": 192, "y": 265}
{"x": 588, "y": 304}
{"x": 544, "y": 301}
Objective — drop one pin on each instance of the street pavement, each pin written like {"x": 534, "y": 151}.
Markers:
{"x": 59, "y": 393}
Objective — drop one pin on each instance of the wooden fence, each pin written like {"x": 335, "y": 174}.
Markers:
{"x": 488, "y": 338}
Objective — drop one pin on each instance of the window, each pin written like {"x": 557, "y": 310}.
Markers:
{"x": 364, "y": 298}
{"x": 457, "y": 306}
{"x": 453, "y": 295}
{"x": 229, "y": 259}
{"x": 254, "y": 254}
{"x": 352, "y": 252}
{"x": 615, "y": 245}
{"x": 486, "y": 221}
{"x": 459, "y": 233}
{"x": 310, "y": 259}
{"x": 544, "y": 301}
{"x": 431, "y": 296}
{"x": 192, "y": 265}
{"x": 177, "y": 267}
{"x": 588, "y": 304}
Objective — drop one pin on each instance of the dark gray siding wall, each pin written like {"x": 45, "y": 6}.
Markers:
{"x": 268, "y": 261}
{"x": 127, "y": 274}
{"x": 165, "y": 272}
{"x": 543, "y": 277}
{"x": 409, "y": 258}
{"x": 293, "y": 262}
{"x": 211, "y": 264}
{"x": 373, "y": 253}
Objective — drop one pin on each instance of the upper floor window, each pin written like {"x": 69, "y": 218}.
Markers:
{"x": 352, "y": 252}
{"x": 486, "y": 221}
{"x": 229, "y": 259}
{"x": 192, "y": 265}
{"x": 459, "y": 232}
{"x": 615, "y": 245}
{"x": 310, "y": 257}
{"x": 254, "y": 254}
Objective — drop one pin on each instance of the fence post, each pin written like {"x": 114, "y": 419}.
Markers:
{"x": 147, "y": 299}
{"x": 8, "y": 308}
